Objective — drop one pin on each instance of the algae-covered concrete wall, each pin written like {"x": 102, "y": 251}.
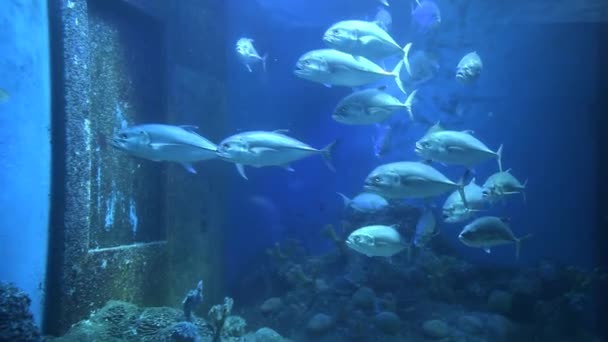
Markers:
{"x": 125, "y": 228}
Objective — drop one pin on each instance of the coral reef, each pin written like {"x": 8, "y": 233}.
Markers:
{"x": 121, "y": 321}
{"x": 193, "y": 300}
{"x": 16, "y": 321}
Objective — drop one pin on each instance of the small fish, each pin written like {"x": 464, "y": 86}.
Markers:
{"x": 158, "y": 142}
{"x": 336, "y": 68}
{"x": 455, "y": 148}
{"x": 362, "y": 38}
{"x": 426, "y": 15}
{"x": 383, "y": 18}
{"x": 267, "y": 148}
{"x": 489, "y": 231}
{"x": 383, "y": 139}
{"x": 503, "y": 183}
{"x": 248, "y": 55}
{"x": 426, "y": 228}
{"x": 365, "y": 202}
{"x": 376, "y": 240}
{"x": 370, "y": 106}
{"x": 4, "y": 96}
{"x": 469, "y": 68}
{"x": 410, "y": 180}
{"x": 454, "y": 210}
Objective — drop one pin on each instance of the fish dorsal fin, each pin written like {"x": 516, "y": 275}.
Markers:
{"x": 508, "y": 170}
{"x": 437, "y": 127}
{"x": 472, "y": 181}
{"x": 281, "y": 131}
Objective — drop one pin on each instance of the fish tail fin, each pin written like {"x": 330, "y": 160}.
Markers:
{"x": 518, "y": 244}
{"x": 406, "y": 61}
{"x": 344, "y": 198}
{"x": 264, "y": 58}
{"x": 396, "y": 72}
{"x": 499, "y": 157}
{"x": 326, "y": 153}
{"x": 385, "y": 3}
{"x": 409, "y": 103}
{"x": 461, "y": 184}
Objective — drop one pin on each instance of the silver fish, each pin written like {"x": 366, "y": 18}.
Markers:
{"x": 267, "y": 148}
{"x": 426, "y": 228}
{"x": 160, "y": 142}
{"x": 376, "y": 240}
{"x": 489, "y": 231}
{"x": 469, "y": 68}
{"x": 362, "y": 38}
{"x": 454, "y": 210}
{"x": 371, "y": 106}
{"x": 336, "y": 68}
{"x": 365, "y": 202}
{"x": 410, "y": 180}
{"x": 248, "y": 55}
{"x": 503, "y": 183}
{"x": 455, "y": 148}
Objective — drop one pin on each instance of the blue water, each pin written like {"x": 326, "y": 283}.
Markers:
{"x": 535, "y": 97}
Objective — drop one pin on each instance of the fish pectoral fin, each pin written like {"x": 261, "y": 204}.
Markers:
{"x": 241, "y": 169}
{"x": 366, "y": 39}
{"x": 190, "y": 128}
{"x": 454, "y": 149}
{"x": 260, "y": 150}
{"x": 288, "y": 167}
{"x": 189, "y": 167}
{"x": 487, "y": 250}
{"x": 375, "y": 110}
{"x": 158, "y": 146}
{"x": 327, "y": 85}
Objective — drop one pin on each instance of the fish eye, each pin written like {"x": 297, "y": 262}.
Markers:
{"x": 357, "y": 239}
{"x": 376, "y": 179}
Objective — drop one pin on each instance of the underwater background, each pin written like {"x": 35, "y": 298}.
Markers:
{"x": 101, "y": 240}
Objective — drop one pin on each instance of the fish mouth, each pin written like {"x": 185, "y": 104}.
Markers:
{"x": 419, "y": 149}
{"x": 222, "y": 154}
{"x": 116, "y": 142}
{"x": 329, "y": 39}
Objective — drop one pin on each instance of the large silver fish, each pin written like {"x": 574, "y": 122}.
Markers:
{"x": 454, "y": 209}
{"x": 371, "y": 106}
{"x": 503, "y": 183}
{"x": 455, "y": 148}
{"x": 376, "y": 240}
{"x": 469, "y": 68}
{"x": 267, "y": 148}
{"x": 489, "y": 231}
{"x": 336, "y": 68}
{"x": 160, "y": 142}
{"x": 362, "y": 38}
{"x": 248, "y": 55}
{"x": 410, "y": 180}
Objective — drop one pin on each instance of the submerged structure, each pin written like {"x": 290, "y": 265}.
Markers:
{"x": 124, "y": 221}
